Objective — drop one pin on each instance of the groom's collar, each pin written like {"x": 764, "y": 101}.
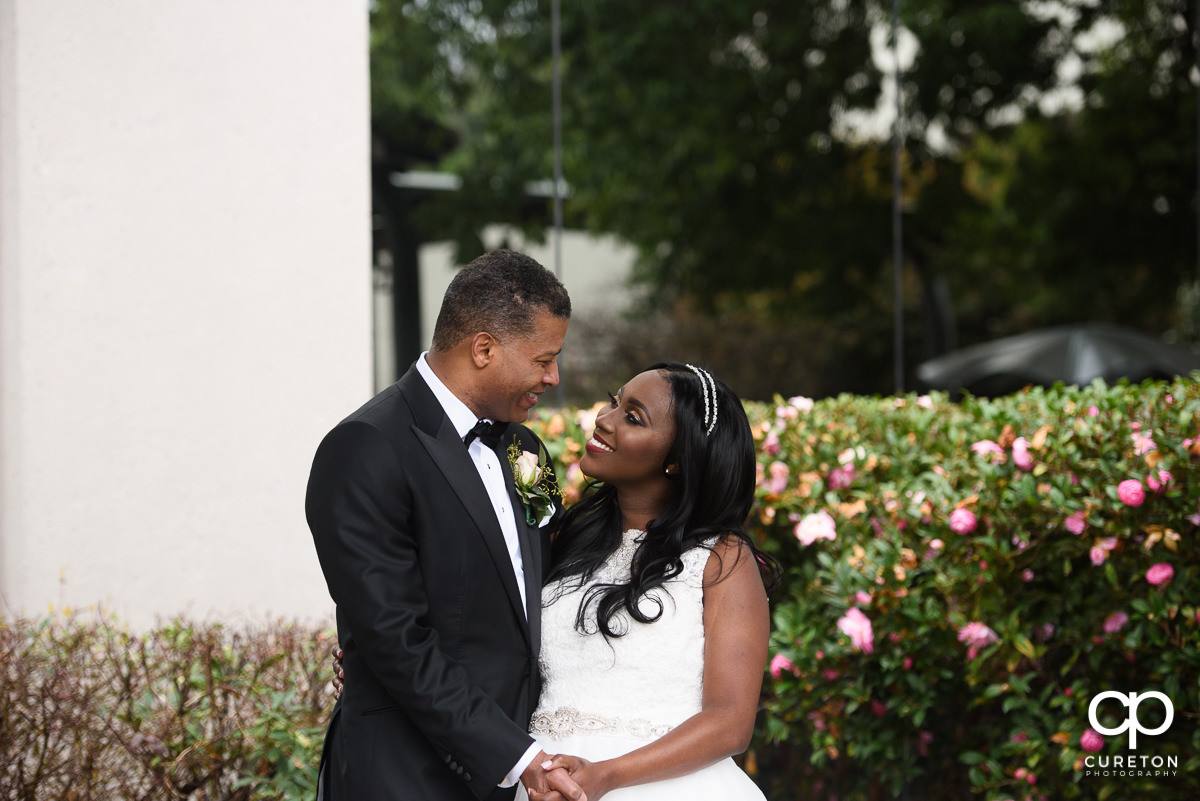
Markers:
{"x": 461, "y": 417}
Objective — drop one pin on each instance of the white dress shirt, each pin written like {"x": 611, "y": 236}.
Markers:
{"x": 488, "y": 464}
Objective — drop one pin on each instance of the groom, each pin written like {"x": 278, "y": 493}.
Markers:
{"x": 428, "y": 556}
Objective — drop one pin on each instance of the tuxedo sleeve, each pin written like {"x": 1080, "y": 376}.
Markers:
{"x": 359, "y": 507}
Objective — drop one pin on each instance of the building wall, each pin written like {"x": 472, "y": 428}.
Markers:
{"x": 595, "y": 270}
{"x": 185, "y": 297}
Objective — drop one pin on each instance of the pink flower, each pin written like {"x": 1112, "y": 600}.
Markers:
{"x": 586, "y": 419}
{"x": 787, "y": 412}
{"x": 526, "y": 468}
{"x": 962, "y": 521}
{"x": 1026, "y": 575}
{"x": 976, "y": 635}
{"x": 771, "y": 444}
{"x": 936, "y": 545}
{"x": 878, "y": 708}
{"x": 1115, "y": 622}
{"x": 1131, "y": 493}
{"x": 855, "y": 625}
{"x": 1093, "y": 411}
{"x": 779, "y": 477}
{"x": 1195, "y": 519}
{"x": 1160, "y": 573}
{"x": 817, "y": 526}
{"x": 830, "y": 674}
{"x": 841, "y": 477}
{"x": 1143, "y": 443}
{"x": 908, "y": 663}
{"x": 985, "y": 447}
{"x": 1091, "y": 740}
{"x": 863, "y": 598}
{"x": 780, "y": 663}
{"x": 1099, "y": 551}
{"x": 1021, "y": 455}
{"x": 925, "y": 402}
{"x": 1158, "y": 483}
{"x": 1076, "y": 523}
{"x": 1020, "y": 737}
{"x": 801, "y": 403}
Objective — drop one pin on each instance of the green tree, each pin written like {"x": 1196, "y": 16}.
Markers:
{"x": 1092, "y": 211}
{"x": 713, "y": 136}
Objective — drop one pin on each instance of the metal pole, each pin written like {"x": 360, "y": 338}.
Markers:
{"x": 897, "y": 220}
{"x": 556, "y": 51}
{"x": 1196, "y": 43}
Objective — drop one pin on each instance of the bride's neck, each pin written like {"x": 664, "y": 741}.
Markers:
{"x": 635, "y": 515}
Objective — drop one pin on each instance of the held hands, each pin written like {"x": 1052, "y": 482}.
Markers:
{"x": 584, "y": 773}
{"x": 545, "y": 783}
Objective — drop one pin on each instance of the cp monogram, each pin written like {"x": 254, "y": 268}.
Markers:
{"x": 1132, "y": 723}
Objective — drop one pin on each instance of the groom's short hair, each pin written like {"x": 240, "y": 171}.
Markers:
{"x": 500, "y": 293}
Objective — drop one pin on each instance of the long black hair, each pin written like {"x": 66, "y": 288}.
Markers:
{"x": 713, "y": 495}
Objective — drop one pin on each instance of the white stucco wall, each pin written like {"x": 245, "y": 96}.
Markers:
{"x": 186, "y": 298}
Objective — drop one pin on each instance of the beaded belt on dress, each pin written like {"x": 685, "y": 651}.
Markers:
{"x": 566, "y": 721}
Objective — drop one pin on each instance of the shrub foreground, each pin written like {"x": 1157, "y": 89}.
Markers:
{"x": 90, "y": 711}
{"x": 962, "y": 580}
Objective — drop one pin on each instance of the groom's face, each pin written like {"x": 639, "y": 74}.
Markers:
{"x": 521, "y": 369}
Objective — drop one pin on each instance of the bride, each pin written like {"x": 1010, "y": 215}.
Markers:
{"x": 654, "y": 614}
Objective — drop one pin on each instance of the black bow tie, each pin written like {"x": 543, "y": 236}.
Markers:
{"x": 487, "y": 433}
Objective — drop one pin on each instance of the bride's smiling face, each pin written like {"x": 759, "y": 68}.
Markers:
{"x": 633, "y": 435}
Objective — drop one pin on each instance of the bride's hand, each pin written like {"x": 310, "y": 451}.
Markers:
{"x": 592, "y": 776}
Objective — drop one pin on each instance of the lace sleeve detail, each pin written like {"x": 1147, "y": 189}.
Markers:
{"x": 694, "y": 562}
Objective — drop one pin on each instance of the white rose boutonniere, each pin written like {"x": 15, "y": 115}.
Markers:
{"x": 535, "y": 480}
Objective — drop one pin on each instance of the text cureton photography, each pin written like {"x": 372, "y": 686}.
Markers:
{"x": 1131, "y": 764}
{"x": 1103, "y": 765}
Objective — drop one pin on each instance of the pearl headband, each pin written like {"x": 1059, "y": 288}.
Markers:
{"x": 708, "y": 387}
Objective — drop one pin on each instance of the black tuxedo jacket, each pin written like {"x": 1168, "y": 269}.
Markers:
{"x": 440, "y": 658}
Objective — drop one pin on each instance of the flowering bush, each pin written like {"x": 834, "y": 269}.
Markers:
{"x": 1010, "y": 559}
{"x": 961, "y": 579}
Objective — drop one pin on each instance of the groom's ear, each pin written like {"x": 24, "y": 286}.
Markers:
{"x": 483, "y": 349}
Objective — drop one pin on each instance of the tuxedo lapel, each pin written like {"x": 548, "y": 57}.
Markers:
{"x": 531, "y": 554}
{"x": 453, "y": 461}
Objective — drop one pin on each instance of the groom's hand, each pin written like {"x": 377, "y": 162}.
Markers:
{"x": 550, "y": 785}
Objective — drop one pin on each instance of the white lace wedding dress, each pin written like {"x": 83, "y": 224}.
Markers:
{"x": 602, "y": 698}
